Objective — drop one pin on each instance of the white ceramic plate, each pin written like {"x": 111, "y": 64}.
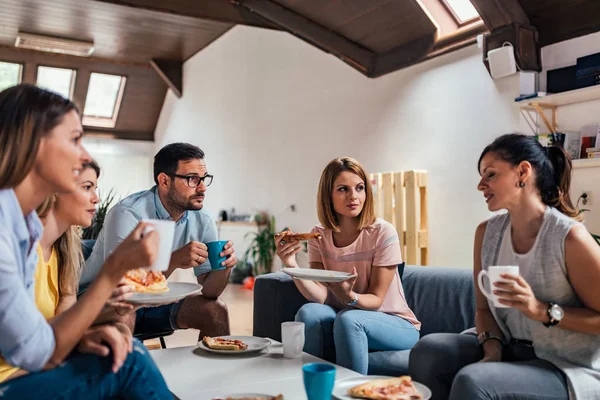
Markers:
{"x": 177, "y": 291}
{"x": 244, "y": 395}
{"x": 255, "y": 344}
{"x": 317, "y": 275}
{"x": 341, "y": 387}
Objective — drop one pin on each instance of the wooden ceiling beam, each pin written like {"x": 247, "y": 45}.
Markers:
{"x": 352, "y": 53}
{"x": 171, "y": 72}
{"x": 498, "y": 13}
{"x": 93, "y": 132}
{"x": 227, "y": 11}
{"x": 403, "y": 56}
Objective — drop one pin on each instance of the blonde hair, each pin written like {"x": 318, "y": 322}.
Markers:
{"x": 325, "y": 211}
{"x": 27, "y": 114}
{"x": 68, "y": 252}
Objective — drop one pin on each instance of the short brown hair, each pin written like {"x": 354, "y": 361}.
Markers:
{"x": 325, "y": 211}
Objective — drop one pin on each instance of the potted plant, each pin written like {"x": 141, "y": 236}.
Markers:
{"x": 93, "y": 230}
{"x": 261, "y": 250}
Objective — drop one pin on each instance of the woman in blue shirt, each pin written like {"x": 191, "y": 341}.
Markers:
{"x": 41, "y": 154}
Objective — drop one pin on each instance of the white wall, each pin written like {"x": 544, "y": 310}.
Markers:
{"x": 270, "y": 111}
{"x": 573, "y": 117}
{"x": 126, "y": 165}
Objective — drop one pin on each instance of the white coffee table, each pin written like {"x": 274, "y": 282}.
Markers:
{"x": 192, "y": 373}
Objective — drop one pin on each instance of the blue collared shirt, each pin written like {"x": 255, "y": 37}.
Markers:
{"x": 195, "y": 226}
{"x": 26, "y": 338}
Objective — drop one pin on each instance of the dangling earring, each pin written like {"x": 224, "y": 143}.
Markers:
{"x": 521, "y": 185}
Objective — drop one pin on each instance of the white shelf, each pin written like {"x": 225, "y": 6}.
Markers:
{"x": 564, "y": 98}
{"x": 586, "y": 163}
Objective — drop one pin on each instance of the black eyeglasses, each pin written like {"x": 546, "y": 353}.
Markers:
{"x": 193, "y": 181}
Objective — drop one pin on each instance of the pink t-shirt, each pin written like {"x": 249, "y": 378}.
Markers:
{"x": 376, "y": 245}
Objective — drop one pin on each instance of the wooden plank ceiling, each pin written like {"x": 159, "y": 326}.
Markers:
{"x": 124, "y": 34}
{"x": 374, "y": 36}
{"x": 559, "y": 20}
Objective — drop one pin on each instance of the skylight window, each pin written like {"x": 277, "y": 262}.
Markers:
{"x": 462, "y": 11}
{"x": 59, "y": 80}
{"x": 103, "y": 101}
{"x": 10, "y": 74}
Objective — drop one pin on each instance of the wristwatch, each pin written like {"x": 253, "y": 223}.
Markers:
{"x": 485, "y": 336}
{"x": 556, "y": 314}
{"x": 353, "y": 302}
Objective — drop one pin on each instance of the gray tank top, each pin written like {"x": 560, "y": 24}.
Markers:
{"x": 576, "y": 354}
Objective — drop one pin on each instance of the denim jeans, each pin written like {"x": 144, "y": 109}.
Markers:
{"x": 86, "y": 376}
{"x": 354, "y": 332}
{"x": 448, "y": 364}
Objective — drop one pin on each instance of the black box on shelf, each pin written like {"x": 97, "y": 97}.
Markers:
{"x": 588, "y": 71}
{"x": 561, "y": 79}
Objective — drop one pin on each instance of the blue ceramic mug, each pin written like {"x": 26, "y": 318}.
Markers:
{"x": 214, "y": 249}
{"x": 318, "y": 380}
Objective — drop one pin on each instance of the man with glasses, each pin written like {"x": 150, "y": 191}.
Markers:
{"x": 181, "y": 180}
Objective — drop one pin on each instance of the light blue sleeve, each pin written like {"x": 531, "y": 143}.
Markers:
{"x": 26, "y": 339}
{"x": 210, "y": 235}
{"x": 119, "y": 223}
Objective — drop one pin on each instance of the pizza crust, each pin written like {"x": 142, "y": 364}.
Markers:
{"x": 400, "y": 388}
{"x": 145, "y": 281}
{"x": 224, "y": 344}
{"x": 287, "y": 236}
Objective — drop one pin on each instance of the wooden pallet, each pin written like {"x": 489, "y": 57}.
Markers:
{"x": 401, "y": 199}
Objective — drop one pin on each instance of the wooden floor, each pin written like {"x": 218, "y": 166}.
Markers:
{"x": 239, "y": 302}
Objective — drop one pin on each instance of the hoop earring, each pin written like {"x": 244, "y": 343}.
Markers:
{"x": 521, "y": 185}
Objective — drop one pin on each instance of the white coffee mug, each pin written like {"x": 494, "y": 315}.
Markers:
{"x": 493, "y": 275}
{"x": 292, "y": 338}
{"x": 166, "y": 235}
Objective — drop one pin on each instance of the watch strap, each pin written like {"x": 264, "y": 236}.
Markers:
{"x": 353, "y": 302}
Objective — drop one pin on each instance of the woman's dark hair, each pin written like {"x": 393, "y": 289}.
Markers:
{"x": 27, "y": 114}
{"x": 167, "y": 159}
{"x": 552, "y": 166}
{"x": 93, "y": 165}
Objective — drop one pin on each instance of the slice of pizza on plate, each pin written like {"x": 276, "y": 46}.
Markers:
{"x": 145, "y": 281}
{"x": 401, "y": 388}
{"x": 224, "y": 344}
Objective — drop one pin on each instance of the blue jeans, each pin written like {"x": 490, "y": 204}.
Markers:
{"x": 157, "y": 319}
{"x": 354, "y": 332}
{"x": 448, "y": 364}
{"x": 86, "y": 376}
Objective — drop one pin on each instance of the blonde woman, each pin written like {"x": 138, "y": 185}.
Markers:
{"x": 41, "y": 154}
{"x": 59, "y": 251}
{"x": 368, "y": 312}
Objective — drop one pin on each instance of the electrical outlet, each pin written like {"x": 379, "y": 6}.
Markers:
{"x": 588, "y": 200}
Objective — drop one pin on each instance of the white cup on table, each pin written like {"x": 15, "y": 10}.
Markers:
{"x": 166, "y": 235}
{"x": 292, "y": 338}
{"x": 493, "y": 275}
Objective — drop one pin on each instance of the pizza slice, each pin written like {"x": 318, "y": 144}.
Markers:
{"x": 287, "y": 236}
{"x": 224, "y": 344}
{"x": 278, "y": 397}
{"x": 401, "y": 388}
{"x": 145, "y": 281}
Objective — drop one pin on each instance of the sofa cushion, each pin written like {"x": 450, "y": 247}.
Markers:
{"x": 87, "y": 246}
{"x": 442, "y": 298}
{"x": 389, "y": 363}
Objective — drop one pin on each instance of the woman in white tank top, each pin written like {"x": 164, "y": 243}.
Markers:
{"x": 546, "y": 344}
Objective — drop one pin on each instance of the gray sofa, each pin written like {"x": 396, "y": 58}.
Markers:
{"x": 442, "y": 298}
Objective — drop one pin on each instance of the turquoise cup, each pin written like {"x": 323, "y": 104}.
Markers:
{"x": 214, "y": 249}
{"x": 318, "y": 380}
